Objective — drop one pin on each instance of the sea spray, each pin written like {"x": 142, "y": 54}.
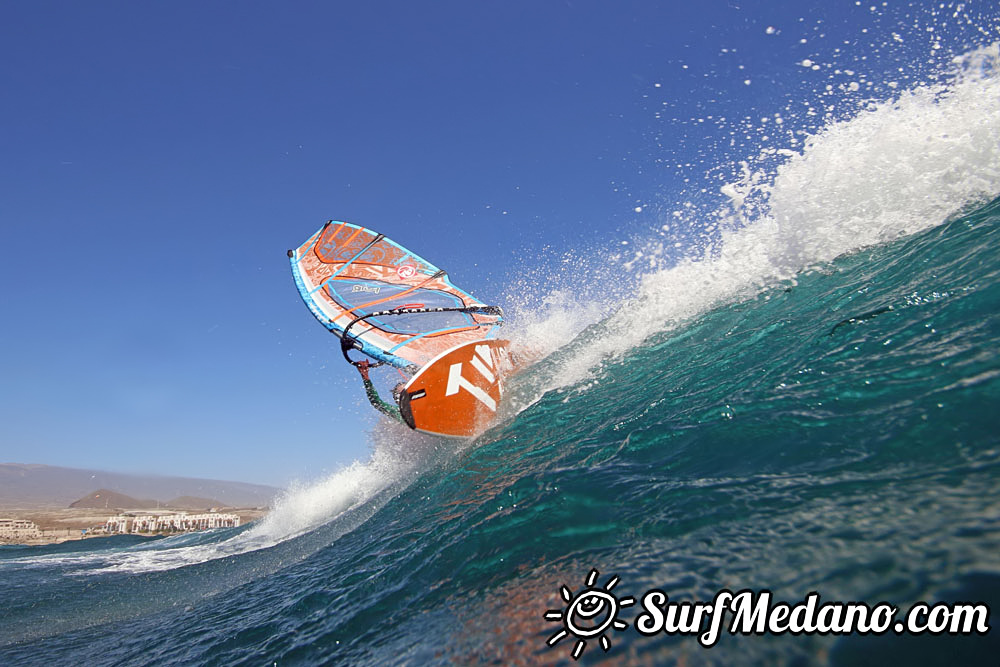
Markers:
{"x": 396, "y": 457}
{"x": 894, "y": 168}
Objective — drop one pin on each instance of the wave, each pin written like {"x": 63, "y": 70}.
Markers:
{"x": 895, "y": 168}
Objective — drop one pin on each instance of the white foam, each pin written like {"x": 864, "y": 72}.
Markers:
{"x": 895, "y": 168}
{"x": 397, "y": 456}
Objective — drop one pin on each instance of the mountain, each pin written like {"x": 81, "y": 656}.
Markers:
{"x": 108, "y": 499}
{"x": 27, "y": 485}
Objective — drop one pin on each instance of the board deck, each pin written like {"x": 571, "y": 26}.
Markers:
{"x": 457, "y": 393}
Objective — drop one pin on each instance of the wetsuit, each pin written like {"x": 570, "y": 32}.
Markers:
{"x": 388, "y": 409}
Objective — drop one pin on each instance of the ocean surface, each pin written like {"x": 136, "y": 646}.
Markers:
{"x": 811, "y": 402}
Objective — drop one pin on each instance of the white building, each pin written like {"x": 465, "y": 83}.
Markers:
{"x": 170, "y": 522}
{"x": 18, "y": 529}
{"x": 116, "y": 524}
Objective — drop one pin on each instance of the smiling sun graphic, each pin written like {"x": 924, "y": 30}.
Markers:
{"x": 588, "y": 614}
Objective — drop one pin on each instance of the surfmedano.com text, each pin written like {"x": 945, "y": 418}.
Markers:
{"x": 754, "y": 613}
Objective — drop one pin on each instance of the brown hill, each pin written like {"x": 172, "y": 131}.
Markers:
{"x": 107, "y": 499}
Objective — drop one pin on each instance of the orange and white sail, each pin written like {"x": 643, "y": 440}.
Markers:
{"x": 384, "y": 300}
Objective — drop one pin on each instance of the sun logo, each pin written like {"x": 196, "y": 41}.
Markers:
{"x": 588, "y": 614}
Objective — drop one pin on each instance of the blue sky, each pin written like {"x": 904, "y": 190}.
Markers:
{"x": 158, "y": 159}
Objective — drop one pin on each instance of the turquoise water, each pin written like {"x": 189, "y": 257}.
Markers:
{"x": 838, "y": 435}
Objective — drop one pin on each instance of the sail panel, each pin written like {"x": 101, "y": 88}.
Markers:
{"x": 345, "y": 272}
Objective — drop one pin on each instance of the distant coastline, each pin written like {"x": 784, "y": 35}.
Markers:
{"x": 63, "y": 504}
{"x": 62, "y": 524}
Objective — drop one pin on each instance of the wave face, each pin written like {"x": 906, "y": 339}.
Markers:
{"x": 839, "y": 435}
{"x": 806, "y": 402}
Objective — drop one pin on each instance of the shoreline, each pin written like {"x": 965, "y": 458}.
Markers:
{"x": 65, "y": 524}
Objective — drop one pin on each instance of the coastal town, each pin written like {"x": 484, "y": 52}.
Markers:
{"x": 27, "y": 531}
{"x": 106, "y": 513}
{"x": 168, "y": 522}
{"x": 42, "y": 505}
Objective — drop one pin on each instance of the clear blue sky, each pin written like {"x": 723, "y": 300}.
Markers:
{"x": 157, "y": 159}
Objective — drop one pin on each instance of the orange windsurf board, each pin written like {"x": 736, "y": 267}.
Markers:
{"x": 457, "y": 393}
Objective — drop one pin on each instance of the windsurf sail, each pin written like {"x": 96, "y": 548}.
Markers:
{"x": 383, "y": 300}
